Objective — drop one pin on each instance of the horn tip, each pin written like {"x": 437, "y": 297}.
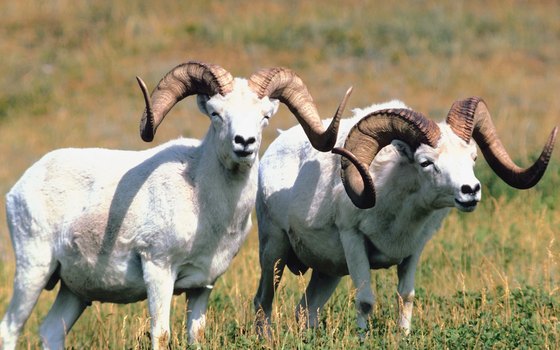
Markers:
{"x": 141, "y": 83}
{"x": 144, "y": 90}
{"x": 337, "y": 150}
{"x": 364, "y": 204}
{"x": 552, "y": 138}
{"x": 146, "y": 136}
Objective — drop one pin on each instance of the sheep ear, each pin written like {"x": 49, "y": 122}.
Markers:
{"x": 275, "y": 105}
{"x": 201, "y": 100}
{"x": 403, "y": 149}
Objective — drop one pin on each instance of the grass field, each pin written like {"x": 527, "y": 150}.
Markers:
{"x": 489, "y": 279}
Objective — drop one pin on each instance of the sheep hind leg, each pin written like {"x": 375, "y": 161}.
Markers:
{"x": 66, "y": 309}
{"x": 29, "y": 281}
{"x": 319, "y": 290}
{"x": 197, "y": 302}
{"x": 274, "y": 251}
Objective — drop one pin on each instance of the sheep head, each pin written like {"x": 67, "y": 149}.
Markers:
{"x": 470, "y": 118}
{"x": 452, "y": 143}
{"x": 238, "y": 108}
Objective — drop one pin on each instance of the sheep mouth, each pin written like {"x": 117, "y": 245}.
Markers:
{"x": 466, "y": 205}
{"x": 243, "y": 154}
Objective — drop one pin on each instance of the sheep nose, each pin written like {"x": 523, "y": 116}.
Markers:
{"x": 244, "y": 141}
{"x": 468, "y": 189}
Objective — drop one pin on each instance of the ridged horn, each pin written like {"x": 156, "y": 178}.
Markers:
{"x": 283, "y": 84}
{"x": 368, "y": 136}
{"x": 184, "y": 80}
{"x": 470, "y": 118}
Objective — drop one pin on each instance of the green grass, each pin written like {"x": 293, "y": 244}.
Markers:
{"x": 489, "y": 279}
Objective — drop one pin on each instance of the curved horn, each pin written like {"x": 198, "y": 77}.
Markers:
{"x": 470, "y": 118}
{"x": 184, "y": 80}
{"x": 368, "y": 136}
{"x": 284, "y": 85}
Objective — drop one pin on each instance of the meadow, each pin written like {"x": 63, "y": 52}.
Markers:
{"x": 488, "y": 280}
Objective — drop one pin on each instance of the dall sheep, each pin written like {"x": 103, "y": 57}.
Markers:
{"x": 122, "y": 226}
{"x": 376, "y": 207}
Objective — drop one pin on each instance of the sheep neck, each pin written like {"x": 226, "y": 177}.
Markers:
{"x": 213, "y": 175}
{"x": 403, "y": 217}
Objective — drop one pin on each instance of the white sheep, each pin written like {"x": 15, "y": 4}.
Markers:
{"x": 122, "y": 226}
{"x": 384, "y": 207}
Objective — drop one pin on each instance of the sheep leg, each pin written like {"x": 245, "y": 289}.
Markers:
{"x": 406, "y": 272}
{"x": 319, "y": 290}
{"x": 30, "y": 279}
{"x": 274, "y": 249}
{"x": 358, "y": 266}
{"x": 271, "y": 274}
{"x": 159, "y": 287}
{"x": 63, "y": 314}
{"x": 197, "y": 302}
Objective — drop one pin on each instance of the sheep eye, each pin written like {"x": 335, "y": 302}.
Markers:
{"x": 426, "y": 163}
{"x": 215, "y": 114}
